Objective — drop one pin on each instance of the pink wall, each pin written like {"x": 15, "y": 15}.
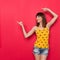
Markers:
{"x": 13, "y": 45}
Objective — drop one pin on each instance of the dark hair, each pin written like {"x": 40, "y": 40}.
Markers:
{"x": 43, "y": 19}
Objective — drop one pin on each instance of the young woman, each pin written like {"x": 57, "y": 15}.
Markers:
{"x": 41, "y": 45}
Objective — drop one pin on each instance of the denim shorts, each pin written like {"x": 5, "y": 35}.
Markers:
{"x": 38, "y": 51}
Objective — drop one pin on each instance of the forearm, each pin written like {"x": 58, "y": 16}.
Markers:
{"x": 24, "y": 32}
{"x": 54, "y": 14}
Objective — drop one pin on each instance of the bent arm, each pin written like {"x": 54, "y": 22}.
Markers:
{"x": 55, "y": 16}
{"x": 29, "y": 33}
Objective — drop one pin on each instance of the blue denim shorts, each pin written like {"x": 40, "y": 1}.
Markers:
{"x": 38, "y": 51}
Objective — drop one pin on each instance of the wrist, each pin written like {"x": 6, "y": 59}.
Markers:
{"x": 21, "y": 25}
{"x": 48, "y": 9}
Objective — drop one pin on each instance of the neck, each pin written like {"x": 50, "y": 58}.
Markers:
{"x": 40, "y": 24}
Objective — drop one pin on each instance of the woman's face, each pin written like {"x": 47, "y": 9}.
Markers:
{"x": 39, "y": 19}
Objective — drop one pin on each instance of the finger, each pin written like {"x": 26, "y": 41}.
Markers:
{"x": 17, "y": 22}
{"x": 42, "y": 8}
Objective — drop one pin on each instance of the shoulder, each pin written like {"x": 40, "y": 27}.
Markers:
{"x": 35, "y": 27}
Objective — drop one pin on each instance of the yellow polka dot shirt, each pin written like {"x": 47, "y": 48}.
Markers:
{"x": 42, "y": 38}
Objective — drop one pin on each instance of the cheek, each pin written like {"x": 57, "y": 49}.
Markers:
{"x": 38, "y": 20}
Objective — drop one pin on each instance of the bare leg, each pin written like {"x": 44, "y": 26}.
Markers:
{"x": 37, "y": 57}
{"x": 43, "y": 57}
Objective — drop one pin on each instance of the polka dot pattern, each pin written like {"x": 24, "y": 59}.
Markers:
{"x": 42, "y": 38}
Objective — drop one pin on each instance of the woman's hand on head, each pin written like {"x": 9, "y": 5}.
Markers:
{"x": 45, "y": 9}
{"x": 20, "y": 23}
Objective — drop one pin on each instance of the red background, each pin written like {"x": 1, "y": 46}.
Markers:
{"x": 13, "y": 45}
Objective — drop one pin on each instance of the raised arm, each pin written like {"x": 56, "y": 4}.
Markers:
{"x": 26, "y": 35}
{"x": 55, "y": 16}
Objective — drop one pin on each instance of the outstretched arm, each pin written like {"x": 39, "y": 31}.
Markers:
{"x": 26, "y": 35}
{"x": 55, "y": 16}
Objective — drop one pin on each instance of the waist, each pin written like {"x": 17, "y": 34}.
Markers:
{"x": 41, "y": 43}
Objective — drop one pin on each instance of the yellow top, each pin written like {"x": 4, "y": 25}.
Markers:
{"x": 42, "y": 38}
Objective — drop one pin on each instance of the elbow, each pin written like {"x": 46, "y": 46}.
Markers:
{"x": 56, "y": 16}
{"x": 26, "y": 36}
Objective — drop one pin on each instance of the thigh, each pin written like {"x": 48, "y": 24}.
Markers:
{"x": 43, "y": 57}
{"x": 37, "y": 57}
